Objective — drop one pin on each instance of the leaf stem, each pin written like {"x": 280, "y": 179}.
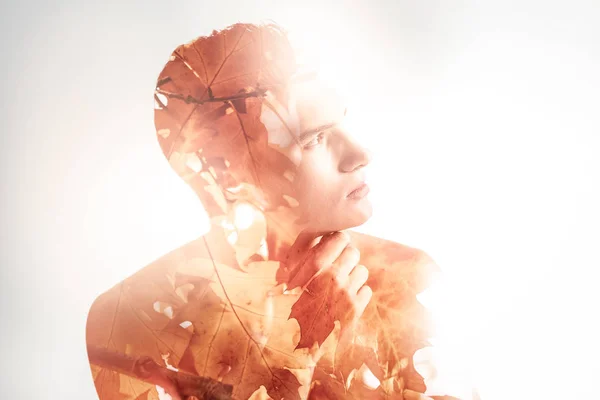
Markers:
{"x": 179, "y": 385}
{"x": 190, "y": 99}
{"x": 238, "y": 317}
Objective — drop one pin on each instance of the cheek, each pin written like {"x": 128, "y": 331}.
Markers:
{"x": 316, "y": 189}
{"x": 307, "y": 183}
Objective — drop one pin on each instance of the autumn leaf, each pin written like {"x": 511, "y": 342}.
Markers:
{"x": 135, "y": 318}
{"x": 244, "y": 337}
{"x": 106, "y": 381}
{"x": 209, "y": 101}
{"x": 222, "y": 323}
{"x": 394, "y": 322}
{"x": 125, "y": 320}
{"x": 352, "y": 357}
{"x": 147, "y": 395}
{"x": 210, "y": 309}
{"x": 394, "y": 325}
{"x": 177, "y": 384}
{"x": 316, "y": 314}
{"x": 236, "y": 331}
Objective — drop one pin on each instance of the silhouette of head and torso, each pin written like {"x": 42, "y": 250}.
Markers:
{"x": 265, "y": 148}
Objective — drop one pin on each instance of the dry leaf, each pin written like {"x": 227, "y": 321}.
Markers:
{"x": 214, "y": 88}
{"x": 210, "y": 308}
{"x": 394, "y": 325}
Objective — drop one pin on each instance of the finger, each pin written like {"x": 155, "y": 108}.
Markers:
{"x": 347, "y": 260}
{"x": 330, "y": 248}
{"x": 357, "y": 278}
{"x": 297, "y": 258}
{"x": 300, "y": 246}
{"x": 322, "y": 257}
{"x": 362, "y": 300}
{"x": 351, "y": 314}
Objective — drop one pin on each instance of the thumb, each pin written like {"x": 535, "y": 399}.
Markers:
{"x": 300, "y": 245}
{"x": 297, "y": 256}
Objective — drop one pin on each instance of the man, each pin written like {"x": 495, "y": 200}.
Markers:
{"x": 279, "y": 299}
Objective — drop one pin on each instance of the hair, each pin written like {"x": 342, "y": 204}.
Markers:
{"x": 209, "y": 99}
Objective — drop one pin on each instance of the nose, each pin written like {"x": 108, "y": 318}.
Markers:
{"x": 354, "y": 155}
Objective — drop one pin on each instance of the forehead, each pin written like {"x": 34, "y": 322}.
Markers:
{"x": 316, "y": 104}
{"x": 302, "y": 109}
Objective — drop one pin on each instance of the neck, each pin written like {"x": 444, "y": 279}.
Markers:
{"x": 282, "y": 231}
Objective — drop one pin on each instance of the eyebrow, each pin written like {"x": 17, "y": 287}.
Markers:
{"x": 312, "y": 131}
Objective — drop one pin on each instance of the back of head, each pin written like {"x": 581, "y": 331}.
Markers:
{"x": 209, "y": 99}
{"x": 239, "y": 123}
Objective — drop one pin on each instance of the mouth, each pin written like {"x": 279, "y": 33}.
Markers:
{"x": 359, "y": 192}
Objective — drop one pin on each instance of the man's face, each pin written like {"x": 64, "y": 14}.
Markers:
{"x": 330, "y": 163}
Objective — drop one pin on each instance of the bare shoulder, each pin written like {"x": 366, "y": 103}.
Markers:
{"x": 142, "y": 317}
{"x": 386, "y": 257}
{"x": 161, "y": 266}
{"x": 195, "y": 310}
{"x": 206, "y": 248}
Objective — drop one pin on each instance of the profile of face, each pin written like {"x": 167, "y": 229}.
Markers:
{"x": 330, "y": 181}
{"x": 247, "y": 128}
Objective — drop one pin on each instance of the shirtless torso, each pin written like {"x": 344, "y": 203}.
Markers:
{"x": 175, "y": 312}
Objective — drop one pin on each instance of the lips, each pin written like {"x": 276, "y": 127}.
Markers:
{"x": 359, "y": 192}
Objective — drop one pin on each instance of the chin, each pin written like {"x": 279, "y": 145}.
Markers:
{"x": 341, "y": 217}
{"x": 354, "y": 217}
{"x": 361, "y": 218}
{"x": 361, "y": 212}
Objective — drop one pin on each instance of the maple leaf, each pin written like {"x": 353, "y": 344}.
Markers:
{"x": 317, "y": 309}
{"x": 147, "y": 395}
{"x": 209, "y": 309}
{"x": 352, "y": 357}
{"x": 241, "y": 333}
{"x": 394, "y": 324}
{"x": 233, "y": 329}
{"x": 209, "y": 101}
{"x": 177, "y": 384}
{"x": 121, "y": 320}
{"x": 134, "y": 318}
{"x": 236, "y": 330}
{"x": 124, "y": 320}
{"x": 106, "y": 381}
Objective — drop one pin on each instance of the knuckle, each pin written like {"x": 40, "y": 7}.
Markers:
{"x": 368, "y": 293}
{"x": 339, "y": 281}
{"x": 341, "y": 236}
{"x": 360, "y": 275}
{"x": 354, "y": 250}
{"x": 362, "y": 270}
{"x": 319, "y": 263}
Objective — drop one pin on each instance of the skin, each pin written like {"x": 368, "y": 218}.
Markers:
{"x": 331, "y": 163}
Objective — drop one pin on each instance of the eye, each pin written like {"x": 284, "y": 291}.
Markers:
{"x": 315, "y": 141}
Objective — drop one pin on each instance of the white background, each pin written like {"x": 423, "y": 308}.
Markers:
{"x": 483, "y": 117}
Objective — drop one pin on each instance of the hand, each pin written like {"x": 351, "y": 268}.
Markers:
{"x": 330, "y": 262}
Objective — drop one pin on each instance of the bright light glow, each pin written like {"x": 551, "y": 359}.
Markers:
{"x": 483, "y": 121}
{"x": 232, "y": 238}
{"x": 243, "y": 215}
{"x": 340, "y": 66}
{"x": 368, "y": 378}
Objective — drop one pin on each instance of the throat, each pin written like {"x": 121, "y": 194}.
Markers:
{"x": 279, "y": 239}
